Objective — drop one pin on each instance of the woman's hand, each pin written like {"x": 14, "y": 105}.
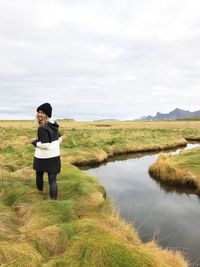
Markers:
{"x": 34, "y": 142}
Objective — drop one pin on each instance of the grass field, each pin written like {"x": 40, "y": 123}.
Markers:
{"x": 81, "y": 228}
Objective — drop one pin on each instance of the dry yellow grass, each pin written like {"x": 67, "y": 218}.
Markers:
{"x": 164, "y": 257}
{"x": 107, "y": 124}
{"x": 18, "y": 254}
{"x": 166, "y": 170}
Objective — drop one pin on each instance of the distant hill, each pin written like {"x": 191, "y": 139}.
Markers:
{"x": 173, "y": 115}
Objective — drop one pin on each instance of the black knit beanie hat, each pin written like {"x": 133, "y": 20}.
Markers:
{"x": 46, "y": 108}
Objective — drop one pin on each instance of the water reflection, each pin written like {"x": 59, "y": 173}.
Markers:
{"x": 179, "y": 189}
{"x": 166, "y": 213}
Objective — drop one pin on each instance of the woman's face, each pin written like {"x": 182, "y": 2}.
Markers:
{"x": 41, "y": 116}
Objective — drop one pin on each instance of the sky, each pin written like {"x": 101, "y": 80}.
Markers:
{"x": 99, "y": 59}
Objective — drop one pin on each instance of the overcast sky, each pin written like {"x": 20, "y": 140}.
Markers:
{"x": 97, "y": 59}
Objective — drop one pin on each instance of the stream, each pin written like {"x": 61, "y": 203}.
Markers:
{"x": 167, "y": 214}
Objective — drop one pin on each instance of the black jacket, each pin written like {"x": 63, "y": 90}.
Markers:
{"x": 47, "y": 152}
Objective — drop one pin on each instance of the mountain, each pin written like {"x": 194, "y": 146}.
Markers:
{"x": 173, "y": 115}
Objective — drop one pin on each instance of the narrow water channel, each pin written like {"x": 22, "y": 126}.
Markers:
{"x": 167, "y": 214}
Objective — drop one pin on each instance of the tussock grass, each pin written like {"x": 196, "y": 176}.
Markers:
{"x": 52, "y": 240}
{"x": 18, "y": 254}
{"x": 164, "y": 257}
{"x": 182, "y": 169}
{"x": 94, "y": 247}
{"x": 56, "y": 262}
{"x": 8, "y": 221}
{"x": 81, "y": 228}
{"x": 45, "y": 213}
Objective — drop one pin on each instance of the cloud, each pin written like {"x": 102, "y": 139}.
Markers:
{"x": 97, "y": 59}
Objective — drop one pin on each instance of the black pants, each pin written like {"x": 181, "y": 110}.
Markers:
{"x": 52, "y": 183}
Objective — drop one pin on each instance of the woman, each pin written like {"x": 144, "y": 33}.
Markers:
{"x": 47, "y": 152}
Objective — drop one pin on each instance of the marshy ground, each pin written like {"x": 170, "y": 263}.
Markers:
{"x": 81, "y": 228}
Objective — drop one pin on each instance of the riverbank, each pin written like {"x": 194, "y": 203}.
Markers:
{"x": 81, "y": 228}
{"x": 94, "y": 146}
{"x": 94, "y": 143}
{"x": 182, "y": 169}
